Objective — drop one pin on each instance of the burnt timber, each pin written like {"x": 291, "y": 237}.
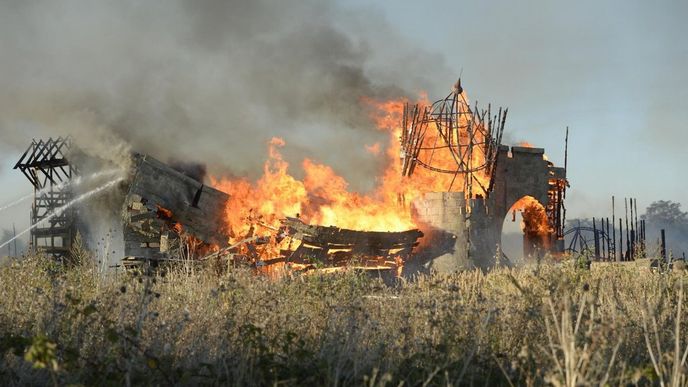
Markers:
{"x": 162, "y": 203}
{"x": 46, "y": 166}
{"x": 336, "y": 246}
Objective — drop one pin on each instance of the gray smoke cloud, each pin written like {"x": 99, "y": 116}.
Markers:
{"x": 206, "y": 81}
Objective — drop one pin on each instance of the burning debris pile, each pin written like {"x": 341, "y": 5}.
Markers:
{"x": 170, "y": 216}
{"x": 338, "y": 247}
{"x": 447, "y": 177}
{"x": 164, "y": 207}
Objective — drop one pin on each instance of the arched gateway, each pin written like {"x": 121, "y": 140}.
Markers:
{"x": 466, "y": 233}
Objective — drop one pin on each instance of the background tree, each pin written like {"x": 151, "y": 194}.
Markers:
{"x": 667, "y": 215}
{"x": 666, "y": 212}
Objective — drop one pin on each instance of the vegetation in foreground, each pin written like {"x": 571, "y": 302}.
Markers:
{"x": 558, "y": 325}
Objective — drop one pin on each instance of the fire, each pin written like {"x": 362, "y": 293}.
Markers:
{"x": 336, "y": 206}
{"x": 446, "y": 145}
{"x": 321, "y": 197}
{"x": 535, "y": 222}
{"x": 273, "y": 196}
{"x": 526, "y": 144}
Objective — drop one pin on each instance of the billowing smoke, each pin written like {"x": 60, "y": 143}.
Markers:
{"x": 196, "y": 171}
{"x": 206, "y": 81}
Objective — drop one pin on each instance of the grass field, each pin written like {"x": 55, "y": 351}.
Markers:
{"x": 546, "y": 325}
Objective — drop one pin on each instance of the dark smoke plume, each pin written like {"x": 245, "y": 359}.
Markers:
{"x": 196, "y": 171}
{"x": 206, "y": 81}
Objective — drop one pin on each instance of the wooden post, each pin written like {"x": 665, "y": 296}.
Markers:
{"x": 597, "y": 244}
{"x": 632, "y": 231}
{"x": 603, "y": 246}
{"x": 635, "y": 211}
{"x": 560, "y": 227}
{"x": 642, "y": 237}
{"x": 609, "y": 245}
{"x": 620, "y": 256}
{"x": 663, "y": 246}
{"x": 628, "y": 235}
{"x": 616, "y": 257}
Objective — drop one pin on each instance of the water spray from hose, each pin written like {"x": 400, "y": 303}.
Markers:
{"x": 60, "y": 210}
{"x": 14, "y": 203}
{"x": 74, "y": 182}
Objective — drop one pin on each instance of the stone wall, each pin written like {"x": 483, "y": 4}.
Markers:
{"x": 456, "y": 239}
{"x": 444, "y": 248}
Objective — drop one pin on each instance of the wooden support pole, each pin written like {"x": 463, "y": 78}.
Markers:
{"x": 628, "y": 234}
{"x": 632, "y": 231}
{"x": 620, "y": 256}
{"x": 603, "y": 247}
{"x": 635, "y": 211}
{"x": 602, "y": 243}
{"x": 566, "y": 150}
{"x": 560, "y": 228}
{"x": 663, "y": 246}
{"x": 641, "y": 237}
{"x": 609, "y": 244}
{"x": 597, "y": 244}
{"x": 616, "y": 257}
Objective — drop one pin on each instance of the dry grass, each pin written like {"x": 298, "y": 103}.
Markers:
{"x": 534, "y": 326}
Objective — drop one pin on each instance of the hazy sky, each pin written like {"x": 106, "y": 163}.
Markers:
{"x": 615, "y": 72}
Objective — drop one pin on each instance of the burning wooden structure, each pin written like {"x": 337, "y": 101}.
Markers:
{"x": 460, "y": 180}
{"x": 168, "y": 215}
{"x": 167, "y": 211}
{"x": 46, "y": 165}
{"x": 449, "y": 151}
{"x": 163, "y": 205}
{"x": 480, "y": 180}
{"x": 333, "y": 246}
{"x": 454, "y": 140}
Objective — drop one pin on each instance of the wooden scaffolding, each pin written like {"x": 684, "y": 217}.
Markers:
{"x": 46, "y": 166}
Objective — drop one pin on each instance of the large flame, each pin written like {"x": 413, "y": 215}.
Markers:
{"x": 452, "y": 148}
{"x": 322, "y": 197}
{"x": 535, "y": 223}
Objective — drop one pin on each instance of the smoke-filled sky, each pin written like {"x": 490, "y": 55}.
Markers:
{"x": 212, "y": 81}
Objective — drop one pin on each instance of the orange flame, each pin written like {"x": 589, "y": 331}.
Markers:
{"x": 323, "y": 197}
{"x": 535, "y": 222}
{"x": 526, "y": 144}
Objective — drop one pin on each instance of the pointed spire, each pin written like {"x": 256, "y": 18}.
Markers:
{"x": 457, "y": 87}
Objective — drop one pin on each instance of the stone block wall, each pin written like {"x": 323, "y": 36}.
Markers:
{"x": 444, "y": 248}
{"x": 457, "y": 240}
